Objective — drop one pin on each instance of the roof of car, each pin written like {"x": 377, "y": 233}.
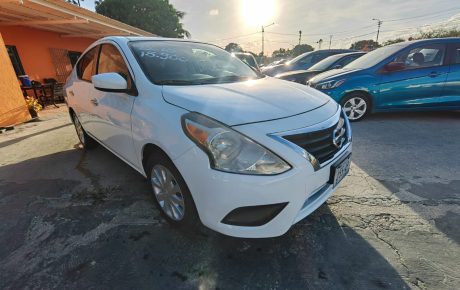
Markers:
{"x": 145, "y": 38}
{"x": 431, "y": 40}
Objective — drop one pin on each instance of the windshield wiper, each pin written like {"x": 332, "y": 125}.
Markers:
{"x": 224, "y": 79}
{"x": 175, "y": 82}
{"x": 216, "y": 80}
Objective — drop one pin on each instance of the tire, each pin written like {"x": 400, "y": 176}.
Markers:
{"x": 171, "y": 194}
{"x": 356, "y": 106}
{"x": 86, "y": 141}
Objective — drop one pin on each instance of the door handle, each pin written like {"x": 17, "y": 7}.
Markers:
{"x": 434, "y": 74}
{"x": 94, "y": 101}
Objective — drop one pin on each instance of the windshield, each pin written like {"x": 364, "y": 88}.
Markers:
{"x": 188, "y": 63}
{"x": 326, "y": 63}
{"x": 247, "y": 59}
{"x": 374, "y": 57}
{"x": 297, "y": 58}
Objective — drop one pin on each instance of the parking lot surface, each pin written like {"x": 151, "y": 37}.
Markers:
{"x": 75, "y": 219}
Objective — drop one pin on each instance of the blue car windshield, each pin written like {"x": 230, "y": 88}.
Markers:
{"x": 374, "y": 57}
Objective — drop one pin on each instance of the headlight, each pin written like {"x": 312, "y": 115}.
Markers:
{"x": 329, "y": 85}
{"x": 229, "y": 150}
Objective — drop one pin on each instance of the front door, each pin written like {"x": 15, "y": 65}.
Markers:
{"x": 114, "y": 109}
{"x": 420, "y": 80}
{"x": 451, "y": 94}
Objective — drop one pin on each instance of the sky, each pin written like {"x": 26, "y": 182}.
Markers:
{"x": 240, "y": 21}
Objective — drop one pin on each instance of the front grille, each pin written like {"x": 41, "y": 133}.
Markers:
{"x": 322, "y": 144}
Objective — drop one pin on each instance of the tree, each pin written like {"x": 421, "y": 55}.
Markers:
{"x": 365, "y": 45}
{"x": 393, "y": 41}
{"x": 233, "y": 47}
{"x": 282, "y": 52}
{"x": 156, "y": 16}
{"x": 439, "y": 33}
{"x": 301, "y": 48}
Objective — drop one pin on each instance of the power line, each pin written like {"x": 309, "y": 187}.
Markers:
{"x": 421, "y": 16}
{"x": 430, "y": 15}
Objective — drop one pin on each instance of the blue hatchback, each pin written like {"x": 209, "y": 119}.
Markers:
{"x": 415, "y": 75}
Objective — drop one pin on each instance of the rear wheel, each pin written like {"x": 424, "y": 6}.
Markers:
{"x": 356, "y": 106}
{"x": 172, "y": 196}
{"x": 86, "y": 141}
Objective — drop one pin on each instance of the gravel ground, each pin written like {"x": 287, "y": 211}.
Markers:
{"x": 75, "y": 219}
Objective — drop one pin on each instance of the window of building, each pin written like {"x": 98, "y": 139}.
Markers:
{"x": 15, "y": 60}
{"x": 73, "y": 56}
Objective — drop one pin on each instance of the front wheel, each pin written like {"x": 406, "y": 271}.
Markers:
{"x": 171, "y": 193}
{"x": 356, "y": 106}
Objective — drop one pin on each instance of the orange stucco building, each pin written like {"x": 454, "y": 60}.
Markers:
{"x": 34, "y": 48}
{"x": 43, "y": 39}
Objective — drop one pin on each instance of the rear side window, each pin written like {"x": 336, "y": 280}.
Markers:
{"x": 87, "y": 64}
{"x": 111, "y": 61}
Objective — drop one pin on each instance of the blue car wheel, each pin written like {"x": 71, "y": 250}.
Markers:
{"x": 356, "y": 106}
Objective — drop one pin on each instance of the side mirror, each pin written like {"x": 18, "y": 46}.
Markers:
{"x": 110, "y": 82}
{"x": 394, "y": 66}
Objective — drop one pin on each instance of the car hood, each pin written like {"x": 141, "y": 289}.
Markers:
{"x": 298, "y": 72}
{"x": 246, "y": 102}
{"x": 276, "y": 69}
{"x": 331, "y": 74}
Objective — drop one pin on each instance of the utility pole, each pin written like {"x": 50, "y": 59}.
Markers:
{"x": 319, "y": 43}
{"x": 379, "y": 24}
{"x": 263, "y": 32}
{"x": 300, "y": 36}
{"x": 330, "y": 41}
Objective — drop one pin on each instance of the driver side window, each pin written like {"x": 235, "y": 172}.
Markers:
{"x": 111, "y": 60}
{"x": 421, "y": 57}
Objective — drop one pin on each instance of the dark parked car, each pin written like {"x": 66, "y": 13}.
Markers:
{"x": 414, "y": 75}
{"x": 303, "y": 61}
{"x": 333, "y": 62}
{"x": 248, "y": 59}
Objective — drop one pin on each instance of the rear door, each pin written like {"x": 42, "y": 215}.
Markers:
{"x": 451, "y": 93}
{"x": 113, "y": 127}
{"x": 80, "y": 90}
{"x": 421, "y": 80}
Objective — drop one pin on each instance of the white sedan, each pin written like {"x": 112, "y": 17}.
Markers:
{"x": 247, "y": 155}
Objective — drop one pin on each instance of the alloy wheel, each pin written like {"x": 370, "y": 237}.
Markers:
{"x": 355, "y": 108}
{"x": 168, "y": 192}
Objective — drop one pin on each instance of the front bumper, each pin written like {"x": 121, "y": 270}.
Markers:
{"x": 300, "y": 190}
{"x": 218, "y": 193}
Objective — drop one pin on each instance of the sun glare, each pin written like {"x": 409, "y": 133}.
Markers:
{"x": 258, "y": 12}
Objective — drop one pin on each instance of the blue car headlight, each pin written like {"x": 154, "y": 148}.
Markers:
{"x": 329, "y": 85}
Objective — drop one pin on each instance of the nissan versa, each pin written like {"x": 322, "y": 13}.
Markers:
{"x": 247, "y": 155}
{"x": 413, "y": 75}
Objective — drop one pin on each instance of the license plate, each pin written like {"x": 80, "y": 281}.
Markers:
{"x": 340, "y": 170}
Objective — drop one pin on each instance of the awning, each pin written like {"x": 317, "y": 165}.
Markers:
{"x": 67, "y": 19}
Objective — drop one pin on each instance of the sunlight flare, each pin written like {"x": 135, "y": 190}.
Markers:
{"x": 258, "y": 12}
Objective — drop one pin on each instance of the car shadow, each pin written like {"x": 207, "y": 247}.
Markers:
{"x": 86, "y": 220}
{"x": 415, "y": 156}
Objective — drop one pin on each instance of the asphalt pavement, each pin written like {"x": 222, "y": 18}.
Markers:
{"x": 71, "y": 219}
